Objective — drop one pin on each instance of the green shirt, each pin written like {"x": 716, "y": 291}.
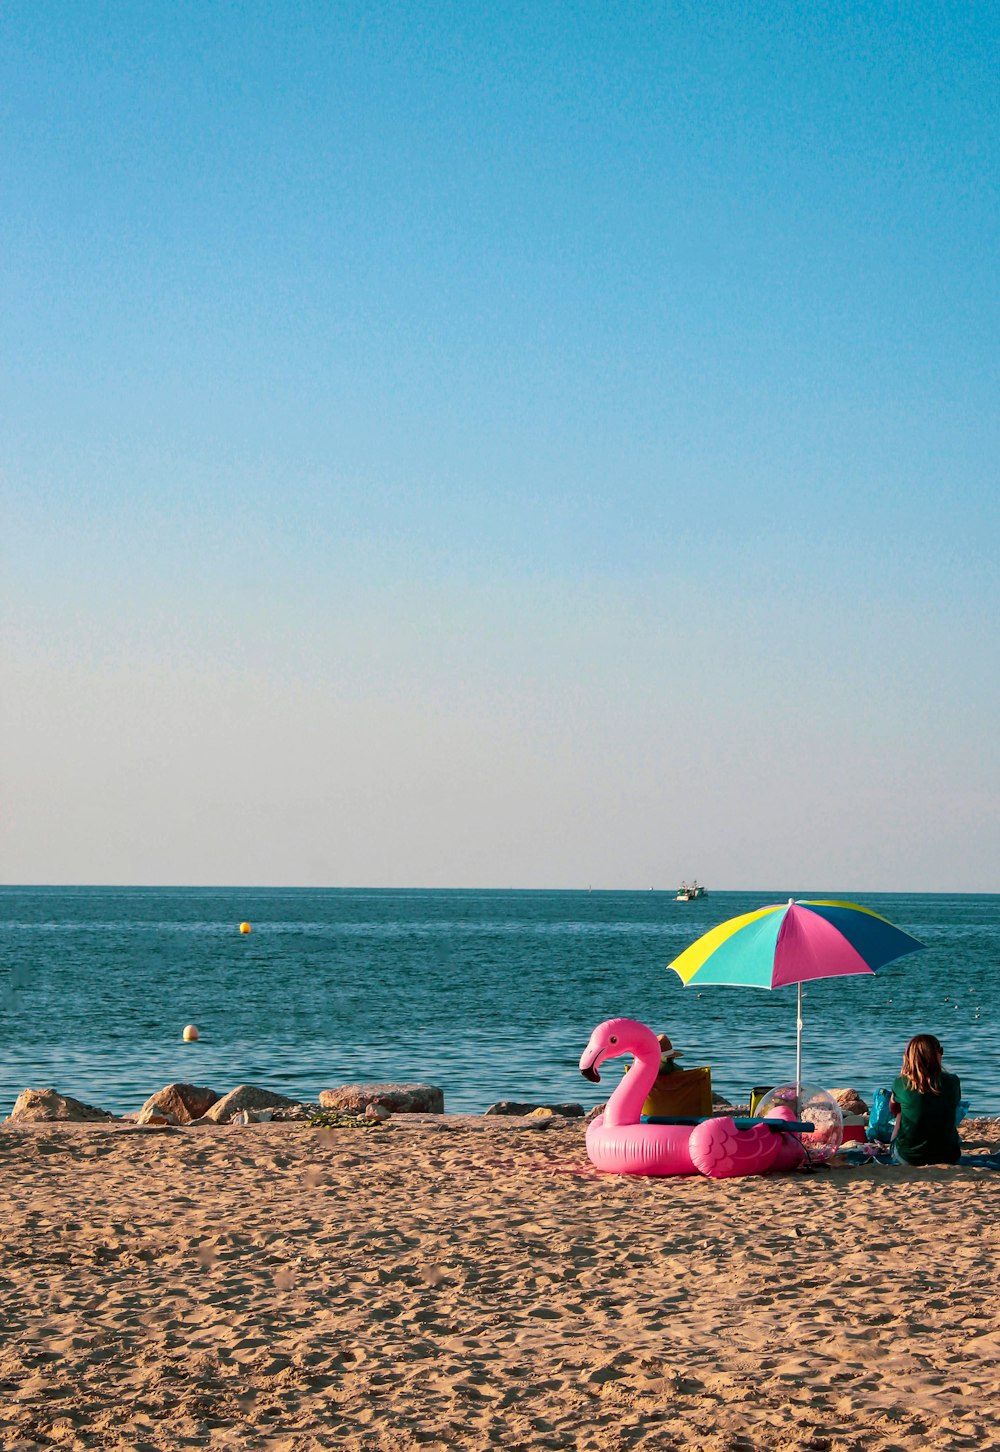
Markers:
{"x": 927, "y": 1133}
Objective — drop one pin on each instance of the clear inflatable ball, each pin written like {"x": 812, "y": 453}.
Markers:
{"x": 816, "y": 1107}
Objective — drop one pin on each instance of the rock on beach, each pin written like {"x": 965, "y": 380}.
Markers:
{"x": 47, "y": 1104}
{"x": 180, "y": 1102}
{"x": 245, "y": 1096}
{"x": 397, "y": 1098}
{"x": 849, "y": 1100}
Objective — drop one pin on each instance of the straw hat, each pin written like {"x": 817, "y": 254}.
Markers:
{"x": 667, "y": 1050}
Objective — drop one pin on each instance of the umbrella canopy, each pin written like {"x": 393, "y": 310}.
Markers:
{"x": 794, "y": 942}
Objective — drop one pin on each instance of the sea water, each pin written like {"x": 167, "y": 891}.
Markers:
{"x": 489, "y": 994}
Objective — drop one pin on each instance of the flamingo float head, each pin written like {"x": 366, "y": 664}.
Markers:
{"x": 613, "y": 1037}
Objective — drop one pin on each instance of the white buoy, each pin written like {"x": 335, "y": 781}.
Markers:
{"x": 190, "y": 1033}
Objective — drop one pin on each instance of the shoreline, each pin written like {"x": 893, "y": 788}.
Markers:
{"x": 499, "y": 995}
{"x": 472, "y": 1281}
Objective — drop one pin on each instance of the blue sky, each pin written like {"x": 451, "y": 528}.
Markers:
{"x": 528, "y": 445}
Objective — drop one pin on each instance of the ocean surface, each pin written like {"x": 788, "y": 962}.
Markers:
{"x": 491, "y": 995}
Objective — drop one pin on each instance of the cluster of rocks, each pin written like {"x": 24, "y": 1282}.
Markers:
{"x": 186, "y": 1104}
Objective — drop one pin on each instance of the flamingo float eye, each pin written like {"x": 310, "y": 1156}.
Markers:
{"x": 613, "y": 1039}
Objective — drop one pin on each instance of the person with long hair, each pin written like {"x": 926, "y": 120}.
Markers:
{"x": 925, "y": 1100}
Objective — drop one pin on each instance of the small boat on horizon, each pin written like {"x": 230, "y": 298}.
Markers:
{"x": 690, "y": 891}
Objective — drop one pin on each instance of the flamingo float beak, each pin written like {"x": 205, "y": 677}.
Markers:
{"x": 588, "y": 1064}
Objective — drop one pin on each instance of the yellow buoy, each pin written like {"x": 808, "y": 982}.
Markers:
{"x": 244, "y": 927}
{"x": 190, "y": 1033}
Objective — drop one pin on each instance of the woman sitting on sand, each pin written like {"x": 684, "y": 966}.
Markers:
{"x": 925, "y": 1099}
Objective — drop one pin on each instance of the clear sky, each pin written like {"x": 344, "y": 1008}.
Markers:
{"x": 524, "y": 444}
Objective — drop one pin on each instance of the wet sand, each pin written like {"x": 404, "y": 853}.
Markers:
{"x": 447, "y": 1283}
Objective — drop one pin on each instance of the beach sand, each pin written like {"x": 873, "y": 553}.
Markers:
{"x": 458, "y": 1283}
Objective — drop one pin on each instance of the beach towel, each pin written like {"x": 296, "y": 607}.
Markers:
{"x": 871, "y": 1154}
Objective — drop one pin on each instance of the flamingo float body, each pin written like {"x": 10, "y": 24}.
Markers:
{"x": 618, "y": 1143}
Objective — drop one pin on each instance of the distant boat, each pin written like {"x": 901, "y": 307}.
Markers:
{"x": 689, "y": 891}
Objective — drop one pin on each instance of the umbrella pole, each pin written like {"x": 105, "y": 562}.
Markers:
{"x": 798, "y": 1057}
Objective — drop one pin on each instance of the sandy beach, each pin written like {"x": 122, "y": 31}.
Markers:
{"x": 444, "y": 1282}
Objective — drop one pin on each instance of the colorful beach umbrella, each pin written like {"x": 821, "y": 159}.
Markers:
{"x": 794, "y": 942}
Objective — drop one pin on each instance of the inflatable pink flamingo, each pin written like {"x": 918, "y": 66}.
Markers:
{"x": 619, "y": 1143}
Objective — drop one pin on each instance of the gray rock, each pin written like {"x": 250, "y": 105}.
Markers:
{"x": 46, "y": 1104}
{"x": 397, "y": 1098}
{"x": 185, "y": 1102}
{"x": 512, "y": 1106}
{"x": 245, "y": 1096}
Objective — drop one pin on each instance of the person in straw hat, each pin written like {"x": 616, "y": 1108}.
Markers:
{"x": 668, "y": 1055}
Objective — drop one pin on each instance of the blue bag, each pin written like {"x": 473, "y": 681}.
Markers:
{"x": 880, "y": 1122}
